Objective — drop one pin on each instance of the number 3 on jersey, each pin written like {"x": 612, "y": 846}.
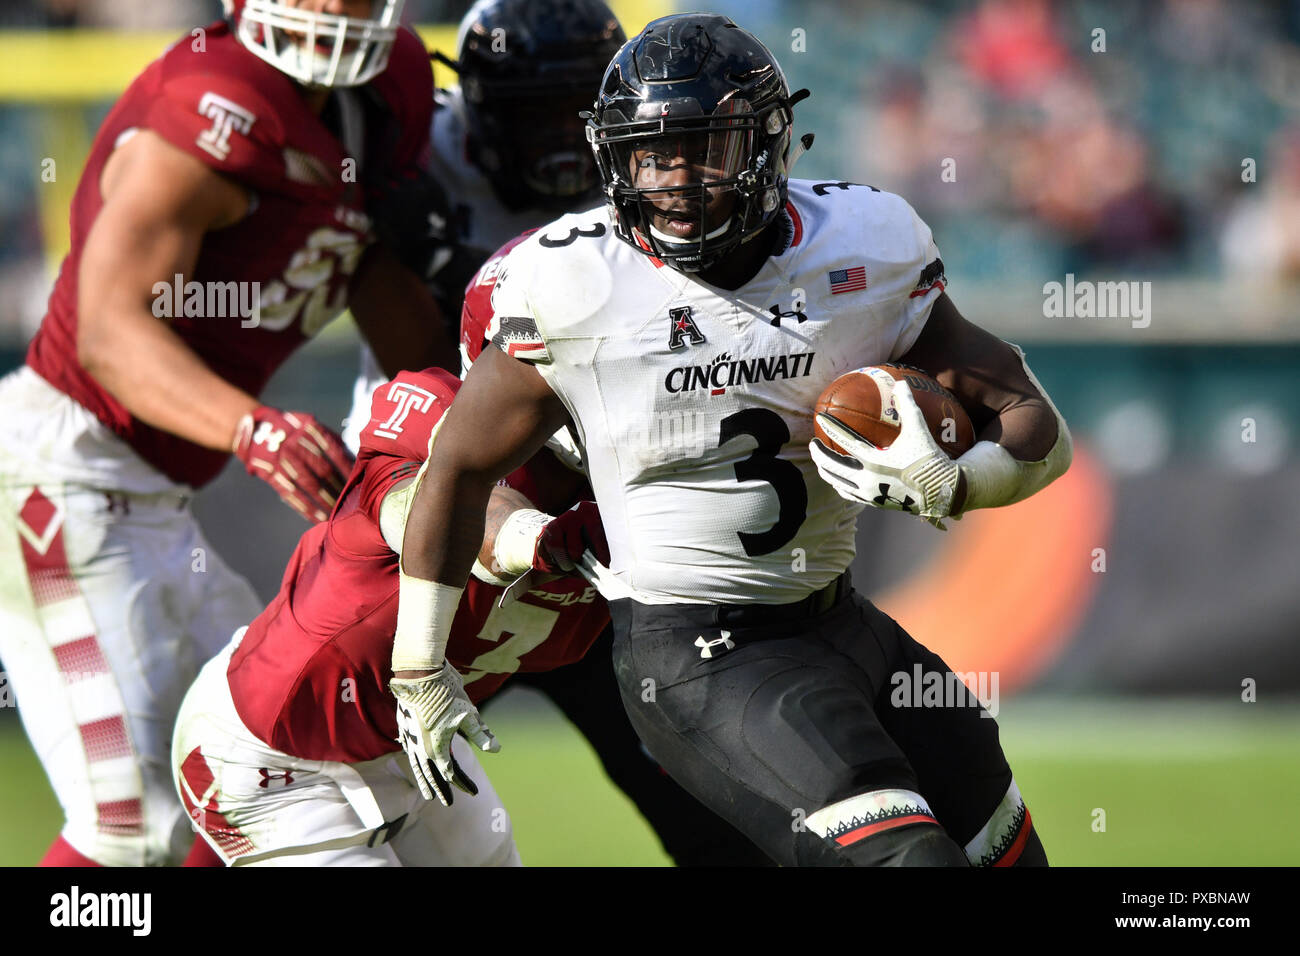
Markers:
{"x": 771, "y": 432}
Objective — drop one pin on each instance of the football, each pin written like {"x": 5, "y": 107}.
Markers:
{"x": 861, "y": 401}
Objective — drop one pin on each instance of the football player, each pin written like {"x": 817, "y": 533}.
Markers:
{"x": 687, "y": 329}
{"x": 221, "y": 221}
{"x": 509, "y": 146}
{"x": 286, "y": 746}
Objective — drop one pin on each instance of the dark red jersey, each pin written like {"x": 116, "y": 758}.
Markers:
{"x": 311, "y": 675}
{"x": 297, "y": 247}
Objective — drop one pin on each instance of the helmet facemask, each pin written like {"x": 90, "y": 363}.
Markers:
{"x": 688, "y": 188}
{"x": 320, "y": 49}
{"x": 530, "y": 141}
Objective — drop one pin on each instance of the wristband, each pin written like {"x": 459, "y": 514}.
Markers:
{"x": 425, "y": 610}
{"x": 516, "y": 543}
{"x": 995, "y": 478}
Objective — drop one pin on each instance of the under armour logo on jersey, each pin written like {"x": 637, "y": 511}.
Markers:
{"x": 904, "y": 504}
{"x": 706, "y": 647}
{"x": 680, "y": 325}
{"x": 270, "y": 436}
{"x": 267, "y": 777}
{"x": 778, "y": 314}
{"x": 227, "y": 117}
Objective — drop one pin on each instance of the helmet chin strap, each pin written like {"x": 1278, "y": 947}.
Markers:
{"x": 677, "y": 241}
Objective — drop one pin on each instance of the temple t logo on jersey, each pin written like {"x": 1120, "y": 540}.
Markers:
{"x": 407, "y": 398}
{"x": 680, "y": 325}
{"x": 226, "y": 117}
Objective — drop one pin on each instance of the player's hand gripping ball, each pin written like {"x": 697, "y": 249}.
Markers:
{"x": 886, "y": 436}
{"x": 305, "y": 462}
{"x": 431, "y": 710}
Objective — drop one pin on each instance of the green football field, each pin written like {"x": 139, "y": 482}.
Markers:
{"x": 1180, "y": 783}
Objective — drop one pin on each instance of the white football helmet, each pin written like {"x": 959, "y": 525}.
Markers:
{"x": 318, "y": 49}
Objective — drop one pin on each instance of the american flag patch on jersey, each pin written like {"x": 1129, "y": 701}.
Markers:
{"x": 848, "y": 280}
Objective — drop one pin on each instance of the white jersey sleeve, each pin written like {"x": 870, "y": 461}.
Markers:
{"x": 919, "y": 280}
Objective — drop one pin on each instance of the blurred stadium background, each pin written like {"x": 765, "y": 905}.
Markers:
{"x": 1141, "y": 614}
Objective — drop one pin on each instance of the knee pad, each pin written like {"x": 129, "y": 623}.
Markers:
{"x": 1008, "y": 837}
{"x": 886, "y": 828}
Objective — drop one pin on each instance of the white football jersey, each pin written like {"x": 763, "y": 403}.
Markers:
{"x": 694, "y": 404}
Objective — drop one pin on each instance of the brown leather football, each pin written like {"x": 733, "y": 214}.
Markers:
{"x": 861, "y": 401}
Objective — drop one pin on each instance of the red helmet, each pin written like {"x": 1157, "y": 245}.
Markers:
{"x": 318, "y": 49}
{"x": 476, "y": 313}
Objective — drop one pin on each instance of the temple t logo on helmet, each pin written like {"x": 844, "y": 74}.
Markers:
{"x": 691, "y": 131}
{"x": 318, "y": 49}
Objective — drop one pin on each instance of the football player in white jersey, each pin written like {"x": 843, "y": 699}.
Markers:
{"x": 508, "y": 154}
{"x": 686, "y": 331}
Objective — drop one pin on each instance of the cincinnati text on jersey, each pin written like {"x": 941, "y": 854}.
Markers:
{"x": 724, "y": 371}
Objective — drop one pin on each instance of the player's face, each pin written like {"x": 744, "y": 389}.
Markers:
{"x": 548, "y": 140}
{"x": 678, "y": 162}
{"x": 337, "y": 8}
{"x": 362, "y": 9}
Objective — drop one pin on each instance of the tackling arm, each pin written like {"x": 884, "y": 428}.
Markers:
{"x": 502, "y": 415}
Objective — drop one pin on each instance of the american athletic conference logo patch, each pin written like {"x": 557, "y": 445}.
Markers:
{"x": 681, "y": 325}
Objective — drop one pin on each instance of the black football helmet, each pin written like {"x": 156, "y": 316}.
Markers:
{"x": 689, "y": 111}
{"x": 527, "y": 69}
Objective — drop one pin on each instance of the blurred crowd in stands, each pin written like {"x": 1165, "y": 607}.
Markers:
{"x": 1094, "y": 135}
{"x": 1036, "y": 137}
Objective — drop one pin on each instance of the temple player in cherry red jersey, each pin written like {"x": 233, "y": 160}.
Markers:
{"x": 223, "y": 218}
{"x": 286, "y": 746}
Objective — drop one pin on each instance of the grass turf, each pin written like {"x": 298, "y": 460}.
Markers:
{"x": 1181, "y": 782}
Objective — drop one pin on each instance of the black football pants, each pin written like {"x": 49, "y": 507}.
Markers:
{"x": 691, "y": 834}
{"x": 796, "y": 715}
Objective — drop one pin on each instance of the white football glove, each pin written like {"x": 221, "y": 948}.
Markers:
{"x": 913, "y": 474}
{"x": 430, "y": 712}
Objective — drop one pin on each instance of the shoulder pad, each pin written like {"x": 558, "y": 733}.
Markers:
{"x": 225, "y": 107}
